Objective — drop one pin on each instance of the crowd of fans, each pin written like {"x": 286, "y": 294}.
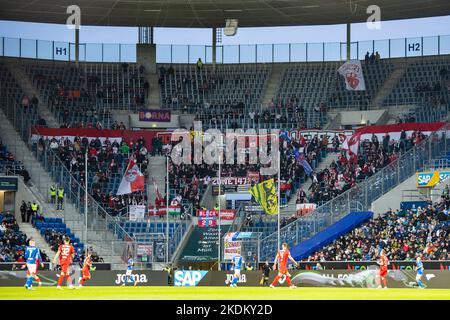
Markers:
{"x": 107, "y": 161}
{"x": 403, "y": 234}
{"x": 346, "y": 172}
{"x": 9, "y": 165}
{"x": 12, "y": 241}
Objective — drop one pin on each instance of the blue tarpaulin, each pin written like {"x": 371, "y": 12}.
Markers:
{"x": 327, "y": 236}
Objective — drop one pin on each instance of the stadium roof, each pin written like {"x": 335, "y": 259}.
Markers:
{"x": 212, "y": 13}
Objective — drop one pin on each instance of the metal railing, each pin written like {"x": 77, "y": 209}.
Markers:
{"x": 362, "y": 195}
{"x": 98, "y": 219}
{"x": 243, "y": 53}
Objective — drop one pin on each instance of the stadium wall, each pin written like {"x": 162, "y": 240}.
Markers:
{"x": 435, "y": 279}
{"x": 392, "y": 199}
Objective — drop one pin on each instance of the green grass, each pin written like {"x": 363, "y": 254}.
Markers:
{"x": 220, "y": 293}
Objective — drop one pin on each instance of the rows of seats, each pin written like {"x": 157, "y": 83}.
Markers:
{"x": 418, "y": 73}
{"x": 57, "y": 225}
{"x": 11, "y": 95}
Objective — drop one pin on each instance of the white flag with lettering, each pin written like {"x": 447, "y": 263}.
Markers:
{"x": 353, "y": 75}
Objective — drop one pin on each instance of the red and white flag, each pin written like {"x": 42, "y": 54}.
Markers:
{"x": 353, "y": 74}
{"x": 351, "y": 144}
{"x": 132, "y": 181}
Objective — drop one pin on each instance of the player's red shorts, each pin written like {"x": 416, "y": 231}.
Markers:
{"x": 283, "y": 270}
{"x": 65, "y": 267}
{"x": 86, "y": 273}
{"x": 383, "y": 272}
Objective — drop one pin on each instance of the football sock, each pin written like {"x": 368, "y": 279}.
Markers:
{"x": 288, "y": 279}
{"x": 275, "y": 280}
{"x": 60, "y": 280}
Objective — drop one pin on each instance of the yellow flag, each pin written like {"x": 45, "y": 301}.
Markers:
{"x": 265, "y": 194}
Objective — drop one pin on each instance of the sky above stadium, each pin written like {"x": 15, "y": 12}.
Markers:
{"x": 332, "y": 33}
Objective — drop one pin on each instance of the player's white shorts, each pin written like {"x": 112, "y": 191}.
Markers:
{"x": 31, "y": 268}
{"x": 237, "y": 272}
{"x": 129, "y": 272}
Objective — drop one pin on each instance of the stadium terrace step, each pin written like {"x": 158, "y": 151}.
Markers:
{"x": 291, "y": 208}
{"x": 29, "y": 89}
{"x": 157, "y": 170}
{"x": 31, "y": 232}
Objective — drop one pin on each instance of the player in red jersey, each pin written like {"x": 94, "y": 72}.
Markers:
{"x": 383, "y": 262}
{"x": 65, "y": 253}
{"x": 282, "y": 259}
{"x": 87, "y": 266}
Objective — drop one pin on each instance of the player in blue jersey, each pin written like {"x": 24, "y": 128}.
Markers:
{"x": 419, "y": 269}
{"x": 129, "y": 273}
{"x": 32, "y": 255}
{"x": 237, "y": 262}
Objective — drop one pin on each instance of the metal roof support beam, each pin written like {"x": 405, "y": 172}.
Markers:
{"x": 77, "y": 46}
{"x": 214, "y": 47}
{"x": 349, "y": 41}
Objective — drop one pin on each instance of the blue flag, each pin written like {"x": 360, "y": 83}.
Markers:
{"x": 302, "y": 161}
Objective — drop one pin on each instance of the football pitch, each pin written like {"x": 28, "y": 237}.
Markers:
{"x": 220, "y": 293}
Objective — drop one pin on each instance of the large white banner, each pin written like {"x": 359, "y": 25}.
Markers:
{"x": 137, "y": 212}
{"x": 231, "y": 248}
{"x": 353, "y": 75}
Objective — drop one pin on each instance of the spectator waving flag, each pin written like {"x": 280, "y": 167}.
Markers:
{"x": 265, "y": 194}
{"x": 132, "y": 181}
{"x": 353, "y": 74}
{"x": 302, "y": 161}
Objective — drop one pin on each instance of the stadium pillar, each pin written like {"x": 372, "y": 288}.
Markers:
{"x": 214, "y": 47}
{"x": 348, "y": 41}
{"x": 146, "y": 50}
{"x": 77, "y": 46}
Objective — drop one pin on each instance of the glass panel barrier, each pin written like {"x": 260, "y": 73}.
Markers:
{"x": 298, "y": 52}
{"x": 444, "y": 44}
{"x": 247, "y": 53}
{"x": 128, "y": 53}
{"x": 315, "y": 52}
{"x": 45, "y": 49}
{"x": 230, "y": 54}
{"x": 28, "y": 48}
{"x": 163, "y": 53}
{"x": 430, "y": 46}
{"x": 61, "y": 51}
{"x": 94, "y": 52}
{"x": 264, "y": 53}
{"x": 196, "y": 52}
{"x": 111, "y": 52}
{"x": 332, "y": 51}
{"x": 363, "y": 48}
{"x": 11, "y": 47}
{"x": 180, "y": 54}
{"x": 414, "y": 47}
{"x": 281, "y": 53}
{"x": 397, "y": 48}
{"x": 382, "y": 46}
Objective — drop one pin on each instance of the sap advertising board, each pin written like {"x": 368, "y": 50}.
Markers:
{"x": 188, "y": 278}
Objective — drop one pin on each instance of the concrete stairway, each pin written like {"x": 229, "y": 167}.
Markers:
{"x": 157, "y": 170}
{"x": 291, "y": 206}
{"x": 388, "y": 86}
{"x": 99, "y": 237}
{"x": 273, "y": 83}
{"x": 29, "y": 89}
{"x": 31, "y": 232}
{"x": 153, "y": 101}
